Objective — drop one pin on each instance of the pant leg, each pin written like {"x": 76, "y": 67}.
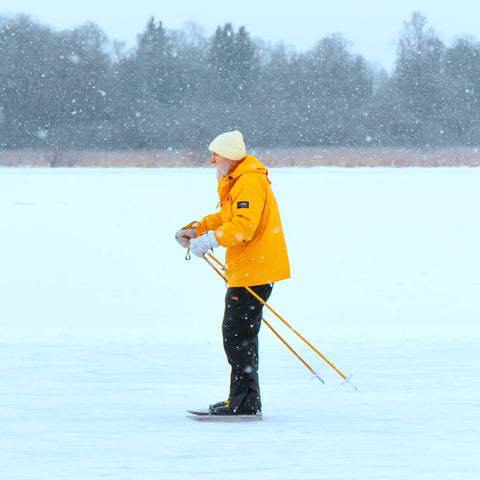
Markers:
{"x": 240, "y": 328}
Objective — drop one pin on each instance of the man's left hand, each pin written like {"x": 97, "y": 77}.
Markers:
{"x": 200, "y": 245}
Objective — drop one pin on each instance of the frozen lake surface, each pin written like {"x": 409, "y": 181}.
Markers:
{"x": 107, "y": 334}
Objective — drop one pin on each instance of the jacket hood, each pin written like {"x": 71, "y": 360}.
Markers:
{"x": 249, "y": 165}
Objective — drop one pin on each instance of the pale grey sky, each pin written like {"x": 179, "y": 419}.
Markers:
{"x": 373, "y": 26}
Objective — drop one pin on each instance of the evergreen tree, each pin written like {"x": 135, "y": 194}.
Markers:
{"x": 232, "y": 60}
{"x": 418, "y": 80}
{"x": 52, "y": 85}
{"x": 462, "y": 68}
{"x": 337, "y": 87}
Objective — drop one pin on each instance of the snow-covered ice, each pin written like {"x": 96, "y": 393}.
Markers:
{"x": 107, "y": 334}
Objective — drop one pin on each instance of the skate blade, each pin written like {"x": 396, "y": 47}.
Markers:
{"x": 225, "y": 418}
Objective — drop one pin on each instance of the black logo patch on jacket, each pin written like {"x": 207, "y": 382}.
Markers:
{"x": 242, "y": 205}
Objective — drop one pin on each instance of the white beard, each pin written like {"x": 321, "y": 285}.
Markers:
{"x": 223, "y": 169}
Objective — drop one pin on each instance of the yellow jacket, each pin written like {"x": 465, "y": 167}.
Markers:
{"x": 248, "y": 225}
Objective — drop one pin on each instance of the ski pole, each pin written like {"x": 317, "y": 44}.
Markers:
{"x": 314, "y": 373}
{"x": 345, "y": 379}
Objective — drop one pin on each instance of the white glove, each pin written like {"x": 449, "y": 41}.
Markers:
{"x": 198, "y": 246}
{"x": 184, "y": 236}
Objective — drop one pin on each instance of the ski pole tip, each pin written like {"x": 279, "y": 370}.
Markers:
{"x": 347, "y": 380}
{"x": 316, "y": 375}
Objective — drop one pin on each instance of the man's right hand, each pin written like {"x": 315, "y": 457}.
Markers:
{"x": 184, "y": 235}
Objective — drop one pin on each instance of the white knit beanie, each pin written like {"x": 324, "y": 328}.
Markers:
{"x": 229, "y": 145}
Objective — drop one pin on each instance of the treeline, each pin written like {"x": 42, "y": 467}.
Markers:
{"x": 75, "y": 89}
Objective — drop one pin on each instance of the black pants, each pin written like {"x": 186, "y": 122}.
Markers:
{"x": 241, "y": 324}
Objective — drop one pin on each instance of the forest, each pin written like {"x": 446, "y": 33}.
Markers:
{"x": 78, "y": 90}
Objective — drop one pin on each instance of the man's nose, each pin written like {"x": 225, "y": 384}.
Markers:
{"x": 212, "y": 160}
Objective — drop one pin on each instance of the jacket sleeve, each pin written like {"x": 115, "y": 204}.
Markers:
{"x": 210, "y": 222}
{"x": 248, "y": 197}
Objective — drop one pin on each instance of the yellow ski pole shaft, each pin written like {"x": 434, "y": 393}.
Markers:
{"x": 314, "y": 373}
{"x": 346, "y": 380}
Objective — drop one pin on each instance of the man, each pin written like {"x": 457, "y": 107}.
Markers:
{"x": 248, "y": 225}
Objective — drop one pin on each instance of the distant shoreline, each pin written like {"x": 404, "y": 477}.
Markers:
{"x": 273, "y": 157}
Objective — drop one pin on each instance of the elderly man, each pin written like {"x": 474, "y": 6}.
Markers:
{"x": 248, "y": 225}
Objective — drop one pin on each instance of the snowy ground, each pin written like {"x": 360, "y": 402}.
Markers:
{"x": 107, "y": 334}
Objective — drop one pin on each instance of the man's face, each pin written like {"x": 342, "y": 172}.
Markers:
{"x": 223, "y": 165}
{"x": 218, "y": 160}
